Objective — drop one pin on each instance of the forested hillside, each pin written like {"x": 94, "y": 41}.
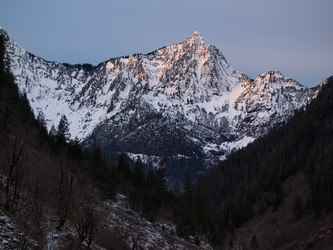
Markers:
{"x": 251, "y": 181}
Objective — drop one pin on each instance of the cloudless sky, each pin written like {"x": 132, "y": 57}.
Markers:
{"x": 293, "y": 36}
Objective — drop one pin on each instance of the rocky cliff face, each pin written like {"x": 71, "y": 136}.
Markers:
{"x": 180, "y": 101}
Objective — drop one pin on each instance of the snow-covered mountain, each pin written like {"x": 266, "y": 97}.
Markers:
{"x": 180, "y": 101}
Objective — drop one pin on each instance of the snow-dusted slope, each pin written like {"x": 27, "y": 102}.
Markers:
{"x": 182, "y": 99}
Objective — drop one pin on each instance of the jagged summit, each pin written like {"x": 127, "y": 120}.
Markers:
{"x": 195, "y": 41}
{"x": 196, "y": 34}
{"x": 276, "y": 77}
{"x": 273, "y": 74}
{"x": 196, "y": 38}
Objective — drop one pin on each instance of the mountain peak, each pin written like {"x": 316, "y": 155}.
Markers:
{"x": 196, "y": 34}
{"x": 3, "y": 31}
{"x": 196, "y": 38}
{"x": 278, "y": 78}
{"x": 272, "y": 73}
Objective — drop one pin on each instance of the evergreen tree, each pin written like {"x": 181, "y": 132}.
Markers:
{"x": 188, "y": 185}
{"x": 254, "y": 243}
{"x": 161, "y": 180}
{"x": 41, "y": 120}
{"x": 139, "y": 175}
{"x": 124, "y": 168}
{"x": 150, "y": 180}
{"x": 63, "y": 134}
{"x": 53, "y": 132}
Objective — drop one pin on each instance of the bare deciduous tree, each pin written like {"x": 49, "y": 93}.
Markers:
{"x": 85, "y": 223}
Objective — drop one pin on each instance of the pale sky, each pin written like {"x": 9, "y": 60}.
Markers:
{"x": 255, "y": 36}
